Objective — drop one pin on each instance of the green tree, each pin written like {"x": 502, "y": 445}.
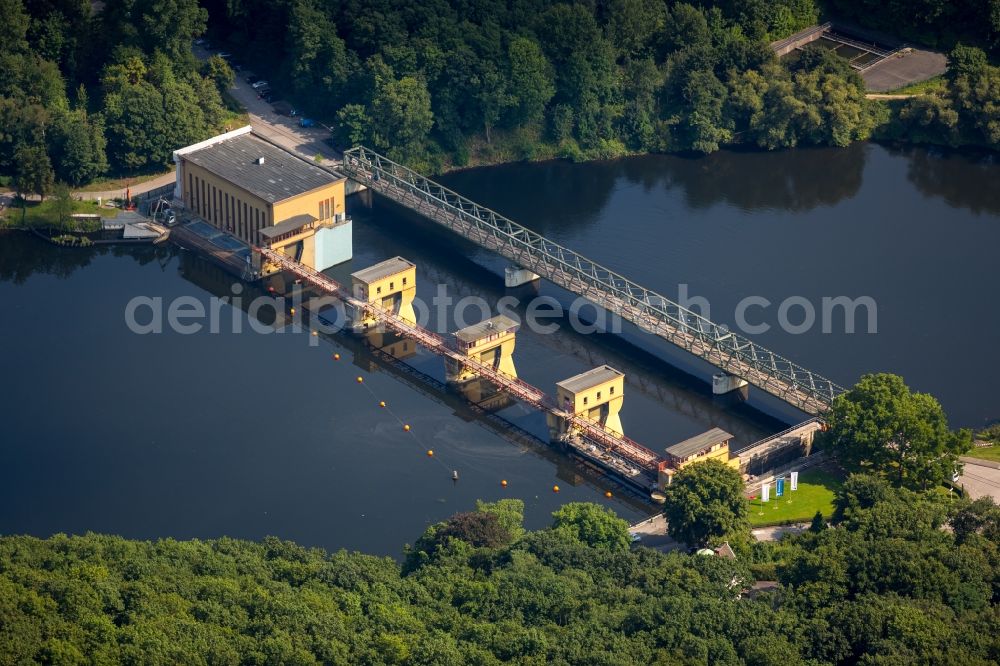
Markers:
{"x": 705, "y": 504}
{"x": 62, "y": 204}
{"x": 79, "y": 148}
{"x": 32, "y": 171}
{"x": 531, "y": 80}
{"x": 402, "y": 116}
{"x": 592, "y": 524}
{"x": 880, "y": 425}
{"x": 219, "y": 71}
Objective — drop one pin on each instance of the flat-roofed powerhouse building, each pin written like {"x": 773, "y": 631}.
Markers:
{"x": 266, "y": 196}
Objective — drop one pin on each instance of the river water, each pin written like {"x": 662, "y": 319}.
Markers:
{"x": 246, "y": 434}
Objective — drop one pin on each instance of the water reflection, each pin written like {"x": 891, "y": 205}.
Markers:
{"x": 23, "y": 255}
{"x": 794, "y": 180}
{"x": 555, "y": 195}
{"x": 963, "y": 179}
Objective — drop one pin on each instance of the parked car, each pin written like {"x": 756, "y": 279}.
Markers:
{"x": 264, "y": 93}
{"x": 199, "y": 42}
{"x": 307, "y": 122}
{"x": 252, "y": 79}
{"x": 224, "y": 55}
{"x": 259, "y": 83}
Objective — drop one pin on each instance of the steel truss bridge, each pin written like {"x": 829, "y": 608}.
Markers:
{"x": 645, "y": 462}
{"x": 645, "y": 308}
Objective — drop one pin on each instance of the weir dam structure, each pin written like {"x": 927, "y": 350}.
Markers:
{"x": 740, "y": 359}
{"x": 631, "y": 461}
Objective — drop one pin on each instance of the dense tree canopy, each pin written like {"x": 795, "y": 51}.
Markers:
{"x": 449, "y": 82}
{"x": 137, "y": 90}
{"x": 885, "y": 585}
{"x": 879, "y": 425}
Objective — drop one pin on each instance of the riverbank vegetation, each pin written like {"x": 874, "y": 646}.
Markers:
{"x": 92, "y": 90}
{"x": 450, "y": 84}
{"x": 886, "y": 584}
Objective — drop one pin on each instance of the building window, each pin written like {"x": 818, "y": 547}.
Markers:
{"x": 404, "y": 281}
{"x": 190, "y": 191}
{"x": 585, "y": 400}
{"x": 598, "y": 395}
{"x": 378, "y": 290}
{"x": 392, "y": 285}
{"x": 612, "y": 391}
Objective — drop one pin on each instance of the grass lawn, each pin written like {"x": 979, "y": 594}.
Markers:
{"x": 43, "y": 214}
{"x": 111, "y": 184}
{"x": 986, "y": 453}
{"x": 815, "y": 493}
{"x": 934, "y": 85}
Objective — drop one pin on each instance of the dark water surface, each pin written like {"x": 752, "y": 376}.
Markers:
{"x": 247, "y": 434}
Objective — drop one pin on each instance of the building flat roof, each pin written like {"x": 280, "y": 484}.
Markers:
{"x": 486, "y": 328}
{"x": 291, "y": 224}
{"x": 383, "y": 269}
{"x": 698, "y": 443}
{"x": 280, "y": 177}
{"x": 590, "y": 379}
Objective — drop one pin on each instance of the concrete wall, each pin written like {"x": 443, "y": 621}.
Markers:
{"x": 334, "y": 245}
{"x": 799, "y": 39}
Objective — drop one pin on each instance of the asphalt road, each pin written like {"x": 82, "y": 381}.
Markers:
{"x": 980, "y": 481}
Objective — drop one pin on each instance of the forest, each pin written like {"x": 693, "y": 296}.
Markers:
{"x": 447, "y": 83}
{"x": 85, "y": 95}
{"x": 884, "y": 585}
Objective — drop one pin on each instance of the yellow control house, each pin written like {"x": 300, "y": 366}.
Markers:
{"x": 389, "y": 285}
{"x": 596, "y": 395}
{"x": 710, "y": 445}
{"x": 266, "y": 196}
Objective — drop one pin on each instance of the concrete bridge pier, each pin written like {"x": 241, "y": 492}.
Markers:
{"x": 723, "y": 383}
{"x": 514, "y": 276}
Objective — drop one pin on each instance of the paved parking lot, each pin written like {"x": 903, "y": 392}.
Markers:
{"x": 900, "y": 70}
{"x": 282, "y": 130}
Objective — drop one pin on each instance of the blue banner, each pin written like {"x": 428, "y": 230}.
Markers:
{"x": 779, "y": 487}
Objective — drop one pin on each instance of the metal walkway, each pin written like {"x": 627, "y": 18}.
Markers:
{"x": 631, "y": 451}
{"x": 646, "y": 309}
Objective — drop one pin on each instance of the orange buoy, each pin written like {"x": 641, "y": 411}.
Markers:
{"x": 430, "y": 452}
{"x": 292, "y": 310}
{"x": 271, "y": 289}
{"x": 361, "y": 379}
{"x": 406, "y": 428}
{"x": 503, "y": 483}
{"x": 555, "y": 489}
{"x": 382, "y": 403}
{"x": 608, "y": 494}
{"x": 315, "y": 333}
{"x": 336, "y": 357}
